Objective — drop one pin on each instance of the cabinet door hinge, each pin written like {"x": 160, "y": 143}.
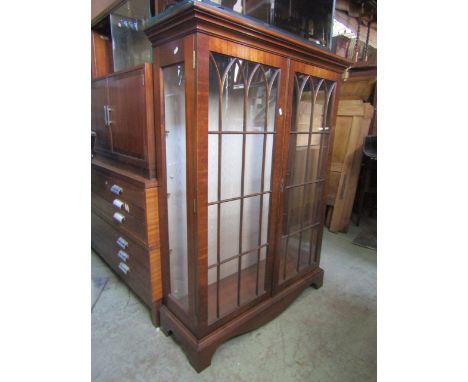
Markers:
{"x": 194, "y": 206}
{"x": 282, "y": 185}
{"x": 194, "y": 56}
{"x": 143, "y": 80}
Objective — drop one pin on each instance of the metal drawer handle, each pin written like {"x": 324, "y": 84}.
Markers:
{"x": 123, "y": 255}
{"x": 109, "y": 122}
{"x": 118, "y": 203}
{"x": 118, "y": 217}
{"x": 122, "y": 243}
{"x": 124, "y": 268}
{"x": 121, "y": 205}
{"x": 105, "y": 116}
{"x": 116, "y": 189}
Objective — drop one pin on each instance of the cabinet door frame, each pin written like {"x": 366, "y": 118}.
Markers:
{"x": 98, "y": 119}
{"x": 204, "y": 45}
{"x": 165, "y": 55}
{"x": 315, "y": 71}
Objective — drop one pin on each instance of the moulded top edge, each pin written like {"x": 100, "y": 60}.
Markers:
{"x": 214, "y": 12}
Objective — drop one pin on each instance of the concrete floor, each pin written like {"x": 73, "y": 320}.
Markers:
{"x": 325, "y": 335}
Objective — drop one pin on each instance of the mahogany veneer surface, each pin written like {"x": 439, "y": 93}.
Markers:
{"x": 216, "y": 311}
{"x": 139, "y": 229}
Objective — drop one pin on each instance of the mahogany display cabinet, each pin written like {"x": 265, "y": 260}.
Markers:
{"x": 244, "y": 117}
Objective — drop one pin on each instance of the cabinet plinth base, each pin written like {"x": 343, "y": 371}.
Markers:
{"x": 200, "y": 350}
{"x": 317, "y": 282}
{"x": 155, "y": 307}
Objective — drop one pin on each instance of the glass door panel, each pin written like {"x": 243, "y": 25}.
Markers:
{"x": 242, "y": 104}
{"x": 305, "y": 176}
{"x": 174, "y": 114}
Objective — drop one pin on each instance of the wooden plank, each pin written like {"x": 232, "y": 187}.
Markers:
{"x": 356, "y": 166}
{"x": 342, "y": 133}
{"x": 350, "y": 108}
{"x": 101, "y": 56}
{"x": 336, "y": 166}
{"x": 343, "y": 203}
{"x": 358, "y": 88}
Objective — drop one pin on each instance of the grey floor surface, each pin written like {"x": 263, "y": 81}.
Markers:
{"x": 325, "y": 335}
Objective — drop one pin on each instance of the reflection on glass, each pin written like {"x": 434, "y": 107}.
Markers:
{"x": 130, "y": 46}
{"x": 229, "y": 229}
{"x": 250, "y": 224}
{"x": 233, "y": 97}
{"x": 242, "y": 111}
{"x": 256, "y": 99}
{"x": 228, "y": 284}
{"x": 249, "y": 288}
{"x": 312, "y": 20}
{"x": 253, "y": 172}
{"x": 293, "y": 203}
{"x": 231, "y": 165}
{"x": 174, "y": 113}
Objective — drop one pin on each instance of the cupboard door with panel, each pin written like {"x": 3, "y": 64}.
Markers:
{"x": 127, "y": 117}
{"x": 99, "y": 115}
{"x": 123, "y": 118}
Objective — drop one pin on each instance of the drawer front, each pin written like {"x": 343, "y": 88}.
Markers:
{"x": 128, "y": 259}
{"x": 135, "y": 225}
{"x": 110, "y": 186}
{"x": 119, "y": 202}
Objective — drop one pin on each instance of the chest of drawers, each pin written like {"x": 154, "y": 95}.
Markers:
{"x": 125, "y": 232}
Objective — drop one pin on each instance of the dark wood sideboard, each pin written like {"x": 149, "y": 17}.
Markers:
{"x": 124, "y": 188}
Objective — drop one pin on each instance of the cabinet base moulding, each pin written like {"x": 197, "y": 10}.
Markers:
{"x": 155, "y": 318}
{"x": 200, "y": 351}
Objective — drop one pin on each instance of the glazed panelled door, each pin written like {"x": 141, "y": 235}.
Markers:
{"x": 307, "y": 143}
{"x": 242, "y": 134}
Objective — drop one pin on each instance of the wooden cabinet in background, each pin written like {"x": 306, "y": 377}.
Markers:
{"x": 125, "y": 229}
{"x": 352, "y": 126}
{"x": 355, "y": 115}
{"x": 124, "y": 188}
{"x": 122, "y": 118}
